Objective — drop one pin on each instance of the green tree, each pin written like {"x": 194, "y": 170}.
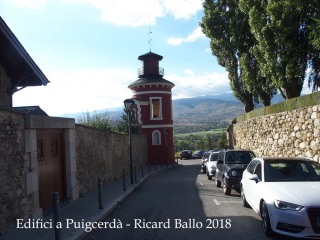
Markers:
{"x": 200, "y": 144}
{"x": 122, "y": 125}
{"x": 283, "y": 47}
{"x": 223, "y": 141}
{"x": 96, "y": 120}
{"x": 208, "y": 142}
{"x": 232, "y": 43}
{"x": 315, "y": 34}
{"x": 314, "y": 64}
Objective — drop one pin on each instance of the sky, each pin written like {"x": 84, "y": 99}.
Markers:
{"x": 88, "y": 50}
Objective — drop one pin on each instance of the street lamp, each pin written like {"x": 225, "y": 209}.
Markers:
{"x": 128, "y": 106}
{"x": 166, "y": 142}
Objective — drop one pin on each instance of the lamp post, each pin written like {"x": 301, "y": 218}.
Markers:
{"x": 166, "y": 142}
{"x": 128, "y": 105}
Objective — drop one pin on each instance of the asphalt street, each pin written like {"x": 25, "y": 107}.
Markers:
{"x": 181, "y": 203}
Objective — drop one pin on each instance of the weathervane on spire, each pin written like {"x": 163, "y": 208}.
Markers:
{"x": 149, "y": 41}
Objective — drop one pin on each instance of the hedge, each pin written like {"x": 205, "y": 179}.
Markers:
{"x": 287, "y": 105}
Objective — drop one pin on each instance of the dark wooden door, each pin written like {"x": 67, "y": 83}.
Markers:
{"x": 51, "y": 166}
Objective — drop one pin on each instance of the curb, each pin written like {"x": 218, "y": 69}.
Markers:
{"x": 81, "y": 233}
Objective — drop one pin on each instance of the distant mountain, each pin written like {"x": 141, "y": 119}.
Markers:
{"x": 114, "y": 113}
{"x": 201, "y": 113}
{"x": 224, "y": 97}
{"x": 205, "y": 113}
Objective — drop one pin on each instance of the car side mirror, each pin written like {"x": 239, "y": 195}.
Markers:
{"x": 255, "y": 178}
{"x": 219, "y": 162}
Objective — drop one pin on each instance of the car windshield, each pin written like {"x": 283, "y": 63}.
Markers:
{"x": 214, "y": 156}
{"x": 235, "y": 157}
{"x": 291, "y": 170}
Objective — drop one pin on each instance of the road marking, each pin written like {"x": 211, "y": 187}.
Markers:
{"x": 216, "y": 202}
{"x": 201, "y": 183}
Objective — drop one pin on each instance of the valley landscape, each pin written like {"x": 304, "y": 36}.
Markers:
{"x": 190, "y": 115}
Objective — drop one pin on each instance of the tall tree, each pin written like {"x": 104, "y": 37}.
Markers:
{"x": 223, "y": 141}
{"x": 283, "y": 48}
{"x": 231, "y": 42}
{"x": 219, "y": 24}
{"x": 314, "y": 63}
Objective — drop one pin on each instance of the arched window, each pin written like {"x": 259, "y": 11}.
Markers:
{"x": 156, "y": 138}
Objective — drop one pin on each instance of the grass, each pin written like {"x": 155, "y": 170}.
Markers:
{"x": 201, "y": 134}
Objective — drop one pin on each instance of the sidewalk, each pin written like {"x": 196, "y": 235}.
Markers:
{"x": 86, "y": 209}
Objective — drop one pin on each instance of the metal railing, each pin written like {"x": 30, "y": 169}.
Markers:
{"x": 160, "y": 71}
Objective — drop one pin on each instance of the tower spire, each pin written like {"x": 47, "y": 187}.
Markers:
{"x": 149, "y": 40}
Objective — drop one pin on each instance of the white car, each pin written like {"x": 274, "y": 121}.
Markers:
{"x": 211, "y": 165}
{"x": 285, "y": 192}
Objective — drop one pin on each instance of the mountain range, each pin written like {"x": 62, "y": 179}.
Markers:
{"x": 201, "y": 113}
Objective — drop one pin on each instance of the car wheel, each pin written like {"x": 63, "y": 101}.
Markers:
{"x": 204, "y": 170}
{"x": 226, "y": 189}
{"x": 209, "y": 177}
{"x": 218, "y": 183}
{"x": 266, "y": 220}
{"x": 243, "y": 198}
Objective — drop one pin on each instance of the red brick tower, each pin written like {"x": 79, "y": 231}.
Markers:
{"x": 152, "y": 95}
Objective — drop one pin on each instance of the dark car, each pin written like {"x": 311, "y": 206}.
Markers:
{"x": 186, "y": 154}
{"x": 198, "y": 154}
{"x": 230, "y": 166}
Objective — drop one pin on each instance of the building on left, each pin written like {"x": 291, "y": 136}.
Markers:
{"x": 37, "y": 152}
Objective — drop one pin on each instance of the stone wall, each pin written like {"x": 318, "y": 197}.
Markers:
{"x": 293, "y": 133}
{"x": 5, "y": 86}
{"x": 101, "y": 154}
{"x": 96, "y": 154}
{"x": 15, "y": 202}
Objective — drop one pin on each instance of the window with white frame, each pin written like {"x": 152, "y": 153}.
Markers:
{"x": 156, "y": 107}
{"x": 156, "y": 137}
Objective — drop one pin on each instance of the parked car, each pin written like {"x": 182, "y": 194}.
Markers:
{"x": 198, "y": 154}
{"x": 205, "y": 158}
{"x": 285, "y": 192}
{"x": 211, "y": 165}
{"x": 230, "y": 166}
{"x": 186, "y": 154}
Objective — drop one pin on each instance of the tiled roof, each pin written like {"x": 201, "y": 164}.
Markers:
{"x": 151, "y": 79}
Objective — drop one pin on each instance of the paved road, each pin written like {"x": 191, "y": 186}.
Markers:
{"x": 181, "y": 203}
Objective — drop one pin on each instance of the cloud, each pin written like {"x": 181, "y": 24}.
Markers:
{"x": 192, "y": 37}
{"x": 189, "y": 84}
{"x": 141, "y": 12}
{"x": 28, "y": 3}
{"x": 79, "y": 91}
{"x": 183, "y": 9}
{"x": 95, "y": 89}
{"x": 128, "y": 12}
{"x": 175, "y": 41}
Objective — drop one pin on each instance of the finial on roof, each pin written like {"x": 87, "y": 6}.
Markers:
{"x": 149, "y": 41}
